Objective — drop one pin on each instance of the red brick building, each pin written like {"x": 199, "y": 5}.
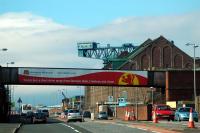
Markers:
{"x": 153, "y": 55}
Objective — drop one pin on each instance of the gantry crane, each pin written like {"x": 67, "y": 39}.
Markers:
{"x": 93, "y": 50}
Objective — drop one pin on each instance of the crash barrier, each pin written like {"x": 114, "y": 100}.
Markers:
{"x": 191, "y": 120}
{"x": 155, "y": 118}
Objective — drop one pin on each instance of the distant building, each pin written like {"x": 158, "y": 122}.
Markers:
{"x": 76, "y": 102}
{"x": 159, "y": 55}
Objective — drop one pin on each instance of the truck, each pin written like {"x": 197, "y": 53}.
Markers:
{"x": 26, "y": 110}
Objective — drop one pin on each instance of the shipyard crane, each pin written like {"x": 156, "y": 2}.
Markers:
{"x": 94, "y": 50}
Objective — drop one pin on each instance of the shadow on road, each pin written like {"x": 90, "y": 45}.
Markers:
{"x": 24, "y": 120}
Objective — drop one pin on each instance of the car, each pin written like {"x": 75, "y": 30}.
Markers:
{"x": 163, "y": 112}
{"x": 102, "y": 115}
{"x": 46, "y": 112}
{"x": 39, "y": 117}
{"x": 74, "y": 115}
{"x": 86, "y": 114}
{"x": 183, "y": 113}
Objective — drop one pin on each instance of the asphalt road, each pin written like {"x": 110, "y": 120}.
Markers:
{"x": 54, "y": 126}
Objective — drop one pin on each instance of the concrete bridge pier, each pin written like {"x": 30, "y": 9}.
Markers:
{"x": 4, "y": 104}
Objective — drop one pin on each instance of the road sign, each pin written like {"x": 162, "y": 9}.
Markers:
{"x": 19, "y": 100}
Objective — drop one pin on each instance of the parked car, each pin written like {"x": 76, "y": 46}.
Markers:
{"x": 86, "y": 114}
{"x": 39, "y": 117}
{"x": 102, "y": 115}
{"x": 163, "y": 112}
{"x": 74, "y": 115}
{"x": 183, "y": 113}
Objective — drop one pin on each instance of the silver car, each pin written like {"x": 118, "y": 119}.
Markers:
{"x": 183, "y": 113}
{"x": 103, "y": 115}
{"x": 74, "y": 115}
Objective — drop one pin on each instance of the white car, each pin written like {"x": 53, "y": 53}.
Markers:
{"x": 74, "y": 115}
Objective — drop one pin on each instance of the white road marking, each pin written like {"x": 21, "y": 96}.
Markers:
{"x": 70, "y": 127}
{"x": 77, "y": 131}
{"x": 155, "y": 132}
{"x": 142, "y": 128}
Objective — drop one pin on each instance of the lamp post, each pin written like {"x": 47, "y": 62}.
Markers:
{"x": 10, "y": 63}
{"x": 8, "y": 87}
{"x": 3, "y": 49}
{"x": 195, "y": 93}
{"x": 152, "y": 90}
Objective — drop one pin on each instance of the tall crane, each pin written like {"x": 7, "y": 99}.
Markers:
{"x": 93, "y": 50}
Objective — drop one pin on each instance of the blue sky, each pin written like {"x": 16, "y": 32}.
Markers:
{"x": 44, "y": 33}
{"x": 89, "y": 13}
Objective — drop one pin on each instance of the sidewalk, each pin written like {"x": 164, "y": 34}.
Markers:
{"x": 9, "y": 127}
{"x": 12, "y": 126}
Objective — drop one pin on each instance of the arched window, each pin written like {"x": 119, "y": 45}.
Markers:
{"x": 178, "y": 61}
{"x": 156, "y": 57}
{"x": 144, "y": 62}
{"x": 166, "y": 57}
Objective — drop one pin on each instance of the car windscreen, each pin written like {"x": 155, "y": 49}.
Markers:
{"x": 185, "y": 110}
{"x": 102, "y": 113}
{"x": 164, "y": 108}
{"x": 73, "y": 111}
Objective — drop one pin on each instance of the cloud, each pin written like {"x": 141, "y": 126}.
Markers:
{"x": 41, "y": 42}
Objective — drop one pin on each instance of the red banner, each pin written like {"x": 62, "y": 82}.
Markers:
{"x": 82, "y": 77}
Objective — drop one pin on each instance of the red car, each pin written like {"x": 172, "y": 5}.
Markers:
{"x": 163, "y": 112}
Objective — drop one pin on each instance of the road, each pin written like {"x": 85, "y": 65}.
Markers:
{"x": 55, "y": 126}
{"x": 107, "y": 126}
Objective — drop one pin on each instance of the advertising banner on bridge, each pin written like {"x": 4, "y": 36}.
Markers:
{"x": 81, "y": 77}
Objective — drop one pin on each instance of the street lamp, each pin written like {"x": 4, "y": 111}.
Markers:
{"x": 10, "y": 63}
{"x": 152, "y": 90}
{"x": 3, "y": 49}
{"x": 195, "y": 93}
{"x": 8, "y": 87}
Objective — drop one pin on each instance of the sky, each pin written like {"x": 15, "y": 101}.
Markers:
{"x": 44, "y": 33}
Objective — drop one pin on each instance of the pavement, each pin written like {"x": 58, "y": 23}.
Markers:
{"x": 9, "y": 127}
{"x": 161, "y": 126}
{"x": 12, "y": 126}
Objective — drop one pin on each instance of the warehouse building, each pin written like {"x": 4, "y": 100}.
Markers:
{"x": 161, "y": 56}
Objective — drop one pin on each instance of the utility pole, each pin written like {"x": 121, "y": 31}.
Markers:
{"x": 194, "y": 65}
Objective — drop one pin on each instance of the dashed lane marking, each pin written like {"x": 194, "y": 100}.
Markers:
{"x": 70, "y": 127}
{"x": 155, "y": 131}
{"x": 142, "y": 129}
{"x": 77, "y": 131}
